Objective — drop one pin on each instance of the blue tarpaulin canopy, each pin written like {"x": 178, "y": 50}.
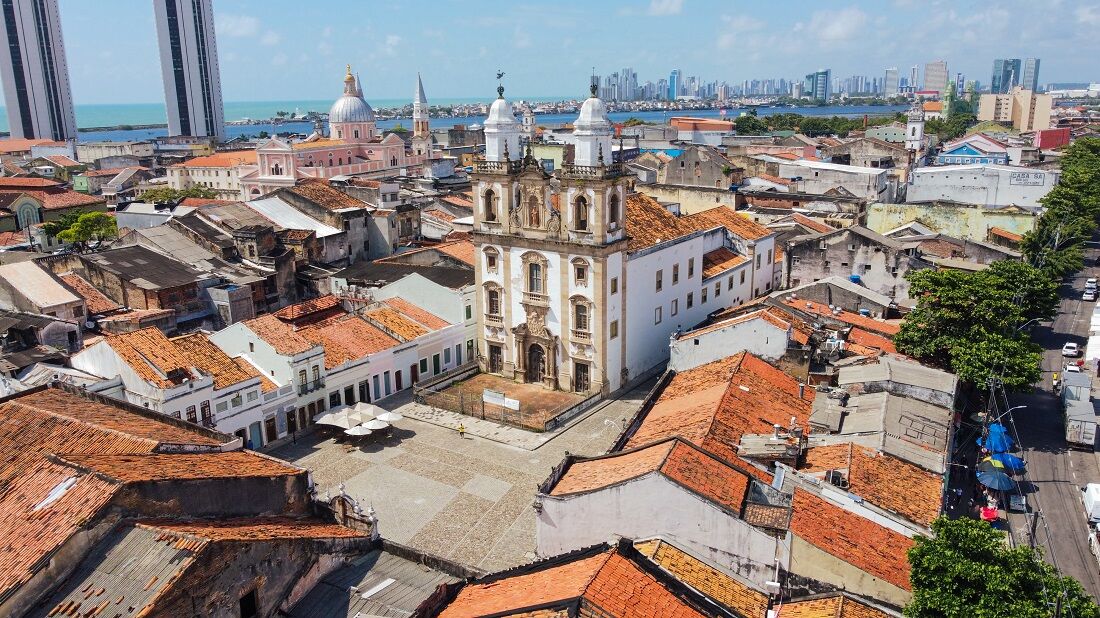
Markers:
{"x": 1010, "y": 461}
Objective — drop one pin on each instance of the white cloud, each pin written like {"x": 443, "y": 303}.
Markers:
{"x": 270, "y": 38}
{"x": 389, "y": 48}
{"x": 279, "y": 59}
{"x": 228, "y": 24}
{"x": 737, "y": 28}
{"x": 1088, "y": 15}
{"x": 521, "y": 39}
{"x": 325, "y": 48}
{"x": 834, "y": 26}
{"x": 665, "y": 7}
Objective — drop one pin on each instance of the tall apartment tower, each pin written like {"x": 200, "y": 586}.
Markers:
{"x": 890, "y": 87}
{"x": 936, "y": 76}
{"x": 1006, "y": 74}
{"x": 189, "y": 67}
{"x": 34, "y": 72}
{"x": 1029, "y": 79}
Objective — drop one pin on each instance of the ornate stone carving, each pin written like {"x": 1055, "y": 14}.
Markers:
{"x": 536, "y": 323}
{"x": 553, "y": 223}
{"x": 515, "y": 217}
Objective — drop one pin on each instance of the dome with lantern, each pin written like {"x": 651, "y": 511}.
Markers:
{"x": 351, "y": 107}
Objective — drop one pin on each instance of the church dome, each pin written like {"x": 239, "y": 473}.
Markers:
{"x": 501, "y": 114}
{"x": 593, "y": 116}
{"x": 351, "y": 107}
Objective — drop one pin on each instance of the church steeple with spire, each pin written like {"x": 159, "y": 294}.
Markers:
{"x": 422, "y": 135}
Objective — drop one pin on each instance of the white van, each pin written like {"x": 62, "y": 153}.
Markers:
{"x": 1091, "y": 497}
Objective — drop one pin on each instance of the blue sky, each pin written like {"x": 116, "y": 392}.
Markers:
{"x": 283, "y": 50}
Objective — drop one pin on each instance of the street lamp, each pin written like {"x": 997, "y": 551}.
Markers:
{"x": 1007, "y": 412}
{"x": 1021, "y": 327}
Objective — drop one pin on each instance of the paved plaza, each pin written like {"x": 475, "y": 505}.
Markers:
{"x": 464, "y": 498}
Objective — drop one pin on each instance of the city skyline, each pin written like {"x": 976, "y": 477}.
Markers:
{"x": 268, "y": 53}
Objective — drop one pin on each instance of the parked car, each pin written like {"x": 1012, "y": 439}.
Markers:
{"x": 1071, "y": 350}
{"x": 1090, "y": 283}
{"x": 1072, "y": 368}
{"x": 1089, "y": 296}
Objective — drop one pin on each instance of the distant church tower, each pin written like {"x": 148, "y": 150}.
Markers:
{"x": 914, "y": 129}
{"x": 422, "y": 135}
{"x": 550, "y": 257}
{"x": 528, "y": 124}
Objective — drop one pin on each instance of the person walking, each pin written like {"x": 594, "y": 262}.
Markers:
{"x": 461, "y": 430}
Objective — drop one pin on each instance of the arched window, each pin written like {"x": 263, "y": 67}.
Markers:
{"x": 534, "y": 216}
{"x": 340, "y": 161}
{"x": 276, "y": 170}
{"x": 613, "y": 210}
{"x": 580, "y": 317}
{"x": 534, "y": 278}
{"x": 492, "y": 258}
{"x": 580, "y": 213}
{"x": 489, "y": 205}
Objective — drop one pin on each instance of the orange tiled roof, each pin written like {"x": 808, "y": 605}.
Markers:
{"x": 1007, "y": 235}
{"x": 848, "y": 317}
{"x": 718, "y": 586}
{"x": 458, "y": 201}
{"x": 648, "y": 223}
{"x": 837, "y": 606}
{"x": 933, "y": 106}
{"x": 868, "y": 339}
{"x": 254, "y": 528}
{"x": 110, "y": 171}
{"x": 63, "y": 161}
{"x": 305, "y": 308}
{"x": 818, "y": 226}
{"x": 279, "y": 335}
{"x": 210, "y": 359}
{"x": 776, "y": 179}
{"x": 417, "y": 313}
{"x": 395, "y": 321}
{"x": 347, "y": 338}
{"x": 600, "y": 472}
{"x": 12, "y": 238}
{"x": 720, "y": 260}
{"x": 320, "y": 144}
{"x": 152, "y": 356}
{"x": 735, "y": 222}
{"x": 858, "y": 541}
{"x": 56, "y": 197}
{"x": 94, "y": 300}
{"x": 15, "y": 144}
{"x": 266, "y": 385}
{"x": 324, "y": 195}
{"x": 714, "y": 404}
{"x": 27, "y": 182}
{"x": 222, "y": 159}
{"x": 131, "y": 468}
{"x": 610, "y": 582}
{"x": 461, "y": 250}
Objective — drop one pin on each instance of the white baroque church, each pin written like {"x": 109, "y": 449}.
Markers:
{"x": 581, "y": 282}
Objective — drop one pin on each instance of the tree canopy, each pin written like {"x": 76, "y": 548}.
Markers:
{"x": 966, "y": 570}
{"x": 1071, "y": 215}
{"x": 88, "y": 230}
{"x": 166, "y": 194}
{"x": 969, "y": 323}
{"x": 951, "y": 127}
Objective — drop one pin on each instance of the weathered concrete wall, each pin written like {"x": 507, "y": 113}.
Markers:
{"x": 809, "y": 561}
{"x": 961, "y": 221}
{"x": 880, "y": 268}
{"x": 691, "y": 199}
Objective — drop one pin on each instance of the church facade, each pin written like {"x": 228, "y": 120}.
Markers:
{"x": 581, "y": 282}
{"x": 354, "y": 146}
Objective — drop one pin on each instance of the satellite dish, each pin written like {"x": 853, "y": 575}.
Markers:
{"x": 89, "y": 324}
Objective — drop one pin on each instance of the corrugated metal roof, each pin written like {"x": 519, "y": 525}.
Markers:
{"x": 386, "y": 585}
{"x": 37, "y": 285}
{"x": 289, "y": 217}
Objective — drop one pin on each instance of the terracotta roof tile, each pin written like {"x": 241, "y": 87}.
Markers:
{"x": 16, "y": 144}
{"x": 735, "y": 222}
{"x": 838, "y": 606}
{"x": 308, "y": 307}
{"x": 872, "y": 548}
{"x": 347, "y": 338}
{"x": 727, "y": 591}
{"x": 395, "y": 321}
{"x": 587, "y": 475}
{"x": 319, "y": 144}
{"x": 254, "y": 528}
{"x": 875, "y": 477}
{"x": 818, "y": 226}
{"x": 57, "y": 197}
{"x": 461, "y": 250}
{"x": 607, "y": 583}
{"x": 183, "y": 466}
{"x": 1007, "y": 235}
{"x": 279, "y": 335}
{"x": 27, "y": 182}
{"x": 222, "y": 159}
{"x": 211, "y": 360}
{"x": 776, "y": 179}
{"x": 458, "y": 201}
{"x": 63, "y": 161}
{"x": 868, "y": 339}
{"x": 321, "y": 193}
{"x": 110, "y": 171}
{"x": 13, "y": 238}
{"x": 94, "y": 300}
{"x": 720, "y": 260}
{"x": 152, "y": 356}
{"x": 848, "y": 317}
{"x": 648, "y": 223}
{"x": 419, "y": 314}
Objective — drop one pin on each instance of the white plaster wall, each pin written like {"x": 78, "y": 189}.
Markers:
{"x": 654, "y": 506}
{"x": 985, "y": 185}
{"x": 613, "y": 304}
{"x": 101, "y": 359}
{"x": 758, "y": 337}
{"x": 557, "y": 315}
{"x": 234, "y": 340}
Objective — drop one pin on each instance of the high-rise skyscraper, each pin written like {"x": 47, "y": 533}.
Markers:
{"x": 818, "y": 85}
{"x": 891, "y": 87}
{"x": 935, "y": 76}
{"x": 1006, "y": 74}
{"x": 189, "y": 67}
{"x": 34, "y": 72}
{"x": 674, "y": 85}
{"x": 1029, "y": 79}
{"x": 913, "y": 78}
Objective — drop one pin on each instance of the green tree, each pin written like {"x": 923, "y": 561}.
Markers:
{"x": 263, "y": 135}
{"x": 89, "y": 231}
{"x": 749, "y": 124}
{"x": 166, "y": 194}
{"x": 1036, "y": 292}
{"x": 634, "y": 122}
{"x": 966, "y": 570}
{"x": 66, "y": 221}
{"x": 814, "y": 126}
{"x": 399, "y": 129}
{"x": 1072, "y": 210}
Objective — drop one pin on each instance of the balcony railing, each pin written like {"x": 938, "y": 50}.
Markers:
{"x": 311, "y": 386}
{"x": 491, "y": 318}
{"x": 534, "y": 298}
{"x": 497, "y": 167}
{"x": 581, "y": 335}
{"x": 610, "y": 170}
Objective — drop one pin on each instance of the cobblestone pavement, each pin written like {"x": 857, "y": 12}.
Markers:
{"x": 464, "y": 498}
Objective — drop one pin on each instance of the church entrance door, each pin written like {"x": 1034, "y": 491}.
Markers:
{"x": 536, "y": 364}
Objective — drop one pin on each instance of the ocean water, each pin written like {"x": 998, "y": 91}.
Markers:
{"x": 153, "y": 113}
